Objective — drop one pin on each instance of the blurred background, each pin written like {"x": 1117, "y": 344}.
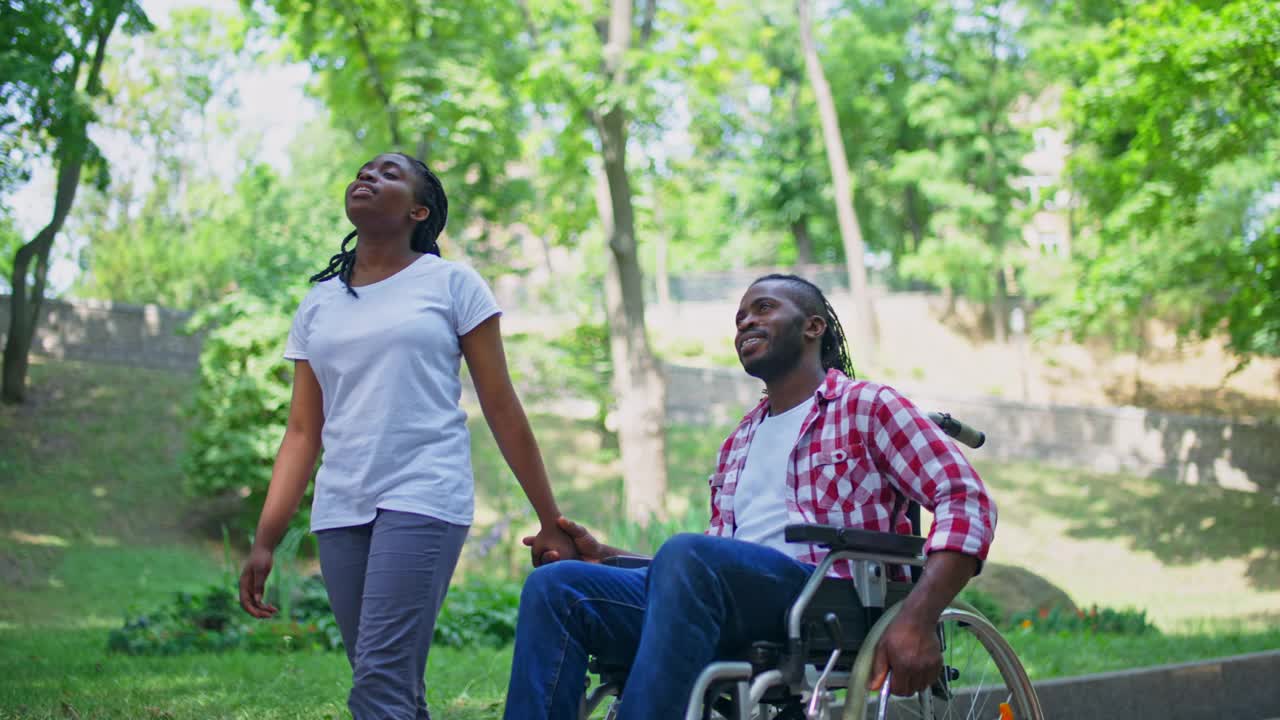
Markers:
{"x": 1058, "y": 220}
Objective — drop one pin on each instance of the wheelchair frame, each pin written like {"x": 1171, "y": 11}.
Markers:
{"x": 870, "y": 554}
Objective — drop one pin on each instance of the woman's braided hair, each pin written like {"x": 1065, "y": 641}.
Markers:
{"x": 834, "y": 349}
{"x": 430, "y": 193}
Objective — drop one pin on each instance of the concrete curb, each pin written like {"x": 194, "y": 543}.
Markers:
{"x": 1242, "y": 687}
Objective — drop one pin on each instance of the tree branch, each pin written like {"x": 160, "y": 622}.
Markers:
{"x": 646, "y": 25}
{"x": 375, "y": 72}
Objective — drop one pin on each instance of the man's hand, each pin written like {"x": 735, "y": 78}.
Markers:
{"x": 583, "y": 546}
{"x": 910, "y": 648}
{"x": 550, "y": 544}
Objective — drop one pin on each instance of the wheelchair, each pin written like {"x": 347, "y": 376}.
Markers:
{"x": 820, "y": 671}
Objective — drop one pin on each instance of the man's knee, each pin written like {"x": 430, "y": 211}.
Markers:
{"x": 550, "y": 587}
{"x": 542, "y": 583}
{"x": 684, "y": 553}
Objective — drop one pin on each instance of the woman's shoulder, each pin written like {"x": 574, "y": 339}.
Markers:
{"x": 318, "y": 292}
{"x": 458, "y": 272}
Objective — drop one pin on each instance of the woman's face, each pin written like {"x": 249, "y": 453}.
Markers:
{"x": 383, "y": 190}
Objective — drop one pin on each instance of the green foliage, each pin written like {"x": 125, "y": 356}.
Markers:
{"x": 1094, "y": 620}
{"x": 435, "y": 79}
{"x": 646, "y": 538}
{"x": 10, "y": 241}
{"x": 1175, "y": 111}
{"x": 1060, "y": 621}
{"x": 985, "y": 604}
{"x": 970, "y": 153}
{"x": 193, "y": 243}
{"x": 575, "y": 364}
{"x": 46, "y": 89}
{"x": 242, "y": 403}
{"x": 478, "y": 613}
{"x": 212, "y": 621}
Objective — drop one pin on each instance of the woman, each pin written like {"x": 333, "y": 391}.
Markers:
{"x": 377, "y": 344}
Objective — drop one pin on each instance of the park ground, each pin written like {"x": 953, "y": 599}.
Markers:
{"x": 95, "y": 524}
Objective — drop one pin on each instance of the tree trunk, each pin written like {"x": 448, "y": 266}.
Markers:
{"x": 24, "y": 305}
{"x": 804, "y": 242}
{"x": 661, "y": 266}
{"x": 914, "y": 224}
{"x": 638, "y": 381}
{"x": 864, "y": 335}
{"x": 1000, "y": 308}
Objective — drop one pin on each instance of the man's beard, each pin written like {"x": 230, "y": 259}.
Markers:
{"x": 783, "y": 355}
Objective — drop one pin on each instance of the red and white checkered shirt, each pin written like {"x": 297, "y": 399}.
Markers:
{"x": 861, "y": 447}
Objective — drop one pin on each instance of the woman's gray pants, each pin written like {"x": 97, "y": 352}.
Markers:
{"x": 386, "y": 581}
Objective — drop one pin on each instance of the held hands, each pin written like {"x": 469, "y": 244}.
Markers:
{"x": 552, "y": 543}
{"x": 911, "y": 649}
{"x": 582, "y": 545}
{"x": 253, "y": 580}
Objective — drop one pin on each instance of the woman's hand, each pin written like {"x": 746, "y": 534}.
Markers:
{"x": 552, "y": 543}
{"x": 584, "y": 545}
{"x": 253, "y": 581}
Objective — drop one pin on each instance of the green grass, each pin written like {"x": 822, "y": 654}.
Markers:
{"x": 1050, "y": 656}
{"x": 67, "y": 673}
{"x": 94, "y": 525}
{"x": 1182, "y": 553}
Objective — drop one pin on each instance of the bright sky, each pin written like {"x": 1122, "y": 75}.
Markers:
{"x": 273, "y": 106}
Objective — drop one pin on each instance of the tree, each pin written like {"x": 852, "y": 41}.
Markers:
{"x": 435, "y": 79}
{"x": 603, "y": 81}
{"x": 53, "y": 89}
{"x": 970, "y": 164}
{"x": 864, "y": 334}
{"x": 1175, "y": 110}
{"x": 780, "y": 178}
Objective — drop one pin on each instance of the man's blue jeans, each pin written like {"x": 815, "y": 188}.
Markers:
{"x": 701, "y": 598}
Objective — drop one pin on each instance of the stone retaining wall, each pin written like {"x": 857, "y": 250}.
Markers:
{"x": 1187, "y": 449}
{"x": 1238, "y": 455}
{"x": 145, "y": 336}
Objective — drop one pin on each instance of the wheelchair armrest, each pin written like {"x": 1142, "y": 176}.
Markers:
{"x": 869, "y": 541}
{"x": 627, "y": 562}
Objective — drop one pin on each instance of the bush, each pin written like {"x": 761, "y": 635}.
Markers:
{"x": 242, "y": 401}
{"x": 212, "y": 621}
{"x": 1093, "y": 620}
{"x": 985, "y": 604}
{"x": 478, "y": 613}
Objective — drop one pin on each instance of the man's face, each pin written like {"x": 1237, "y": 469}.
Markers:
{"x": 771, "y": 330}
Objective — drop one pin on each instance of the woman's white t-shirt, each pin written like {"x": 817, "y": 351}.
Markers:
{"x": 387, "y": 361}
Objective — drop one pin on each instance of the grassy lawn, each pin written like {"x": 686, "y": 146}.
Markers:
{"x": 94, "y": 525}
{"x": 67, "y": 673}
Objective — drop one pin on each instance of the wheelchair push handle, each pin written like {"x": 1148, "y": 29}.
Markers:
{"x": 972, "y": 437}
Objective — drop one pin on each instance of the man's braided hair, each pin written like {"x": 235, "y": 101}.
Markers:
{"x": 430, "y": 193}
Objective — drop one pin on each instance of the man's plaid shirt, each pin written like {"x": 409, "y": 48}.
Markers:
{"x": 861, "y": 447}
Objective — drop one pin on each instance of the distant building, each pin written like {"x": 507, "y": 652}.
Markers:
{"x": 1048, "y": 231}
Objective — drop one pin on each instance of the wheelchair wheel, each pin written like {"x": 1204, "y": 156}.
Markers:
{"x": 982, "y": 677}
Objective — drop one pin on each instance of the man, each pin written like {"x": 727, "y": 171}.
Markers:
{"x": 820, "y": 448}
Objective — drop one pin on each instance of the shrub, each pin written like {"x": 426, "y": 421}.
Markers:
{"x": 985, "y": 604}
{"x": 1093, "y": 620}
{"x": 241, "y": 405}
{"x": 212, "y": 621}
{"x": 478, "y": 613}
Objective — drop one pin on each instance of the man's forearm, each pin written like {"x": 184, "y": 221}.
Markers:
{"x": 945, "y": 575}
